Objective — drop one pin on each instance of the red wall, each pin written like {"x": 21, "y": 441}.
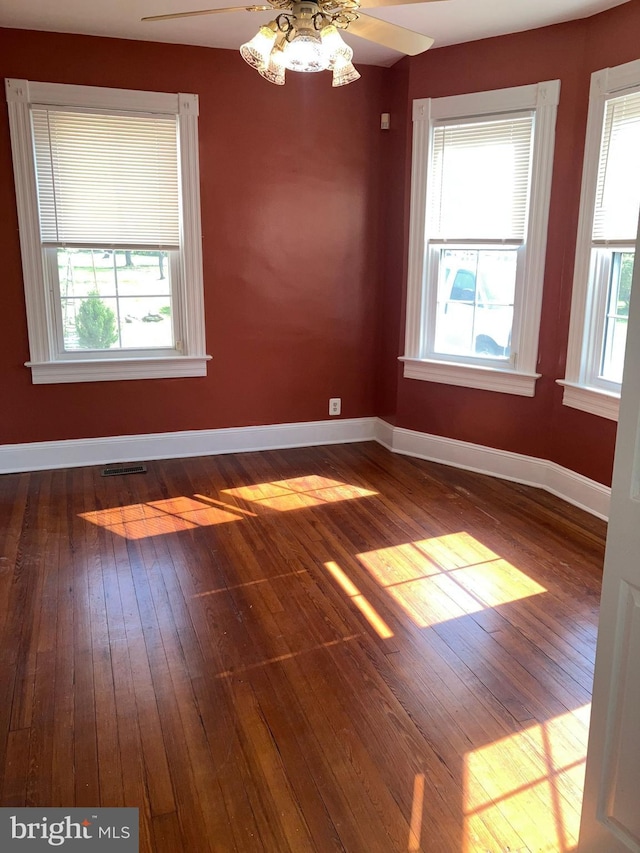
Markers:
{"x": 395, "y": 100}
{"x": 305, "y": 206}
{"x": 540, "y": 426}
{"x": 290, "y": 184}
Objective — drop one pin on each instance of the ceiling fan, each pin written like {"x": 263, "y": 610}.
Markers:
{"x": 305, "y": 36}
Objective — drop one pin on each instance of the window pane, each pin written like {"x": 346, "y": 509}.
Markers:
{"x": 480, "y": 179}
{"x": 615, "y": 327}
{"x": 107, "y": 178}
{"x": 475, "y": 302}
{"x": 115, "y": 299}
{"x": 618, "y": 183}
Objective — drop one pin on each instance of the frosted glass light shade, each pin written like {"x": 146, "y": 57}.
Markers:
{"x": 344, "y": 73}
{"x": 305, "y": 52}
{"x": 334, "y": 47}
{"x": 256, "y": 52}
{"x": 275, "y": 70}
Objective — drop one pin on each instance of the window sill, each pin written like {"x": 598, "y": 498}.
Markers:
{"x": 505, "y": 381}
{"x": 110, "y": 369}
{"x": 593, "y": 400}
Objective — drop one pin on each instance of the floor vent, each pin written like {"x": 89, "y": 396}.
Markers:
{"x": 124, "y": 469}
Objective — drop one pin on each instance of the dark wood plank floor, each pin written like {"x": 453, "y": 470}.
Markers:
{"x": 327, "y": 649}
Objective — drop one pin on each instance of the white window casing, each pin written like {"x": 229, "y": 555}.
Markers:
{"x": 168, "y": 223}
{"x": 601, "y": 232}
{"x": 524, "y": 230}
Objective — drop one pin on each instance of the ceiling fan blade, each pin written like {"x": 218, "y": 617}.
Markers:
{"x": 374, "y": 4}
{"x": 208, "y": 12}
{"x": 390, "y": 35}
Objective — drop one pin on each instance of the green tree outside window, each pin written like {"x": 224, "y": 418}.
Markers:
{"x": 95, "y": 323}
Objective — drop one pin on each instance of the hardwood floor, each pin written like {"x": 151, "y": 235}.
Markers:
{"x": 326, "y": 649}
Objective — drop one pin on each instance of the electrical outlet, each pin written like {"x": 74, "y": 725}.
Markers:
{"x": 335, "y": 405}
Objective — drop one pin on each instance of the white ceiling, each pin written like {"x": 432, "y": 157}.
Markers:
{"x": 449, "y": 22}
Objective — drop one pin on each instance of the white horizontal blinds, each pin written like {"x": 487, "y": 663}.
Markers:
{"x": 107, "y": 179}
{"x": 618, "y": 185}
{"x": 480, "y": 174}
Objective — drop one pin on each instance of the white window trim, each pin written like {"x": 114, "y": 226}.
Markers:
{"x": 596, "y": 401}
{"x": 46, "y": 366}
{"x": 578, "y": 393}
{"x": 510, "y": 378}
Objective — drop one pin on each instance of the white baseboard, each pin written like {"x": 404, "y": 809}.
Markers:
{"x": 528, "y": 470}
{"x": 384, "y": 433}
{"x": 574, "y": 488}
{"x": 43, "y": 455}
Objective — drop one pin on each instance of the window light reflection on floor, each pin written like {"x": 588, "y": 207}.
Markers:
{"x": 361, "y": 602}
{"x": 156, "y": 518}
{"x": 298, "y": 492}
{"x": 526, "y": 789}
{"x": 417, "y": 806}
{"x": 446, "y": 577}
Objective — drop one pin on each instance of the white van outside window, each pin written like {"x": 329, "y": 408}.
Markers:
{"x": 476, "y": 291}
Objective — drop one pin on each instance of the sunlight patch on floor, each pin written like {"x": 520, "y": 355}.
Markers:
{"x": 157, "y": 518}
{"x": 298, "y": 492}
{"x": 525, "y": 790}
{"x": 446, "y": 577}
{"x": 361, "y": 602}
{"x": 232, "y": 507}
{"x": 417, "y": 807}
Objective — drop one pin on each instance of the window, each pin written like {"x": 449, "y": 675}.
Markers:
{"x": 605, "y": 249}
{"x": 107, "y": 189}
{"x": 481, "y": 180}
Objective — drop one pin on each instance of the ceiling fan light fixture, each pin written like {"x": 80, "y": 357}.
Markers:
{"x": 304, "y": 39}
{"x": 305, "y": 36}
{"x": 275, "y": 70}
{"x": 344, "y": 73}
{"x": 305, "y": 52}
{"x": 334, "y": 46}
{"x": 257, "y": 51}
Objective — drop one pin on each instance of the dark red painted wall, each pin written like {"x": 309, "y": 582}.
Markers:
{"x": 540, "y": 426}
{"x": 290, "y": 184}
{"x": 392, "y": 215}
